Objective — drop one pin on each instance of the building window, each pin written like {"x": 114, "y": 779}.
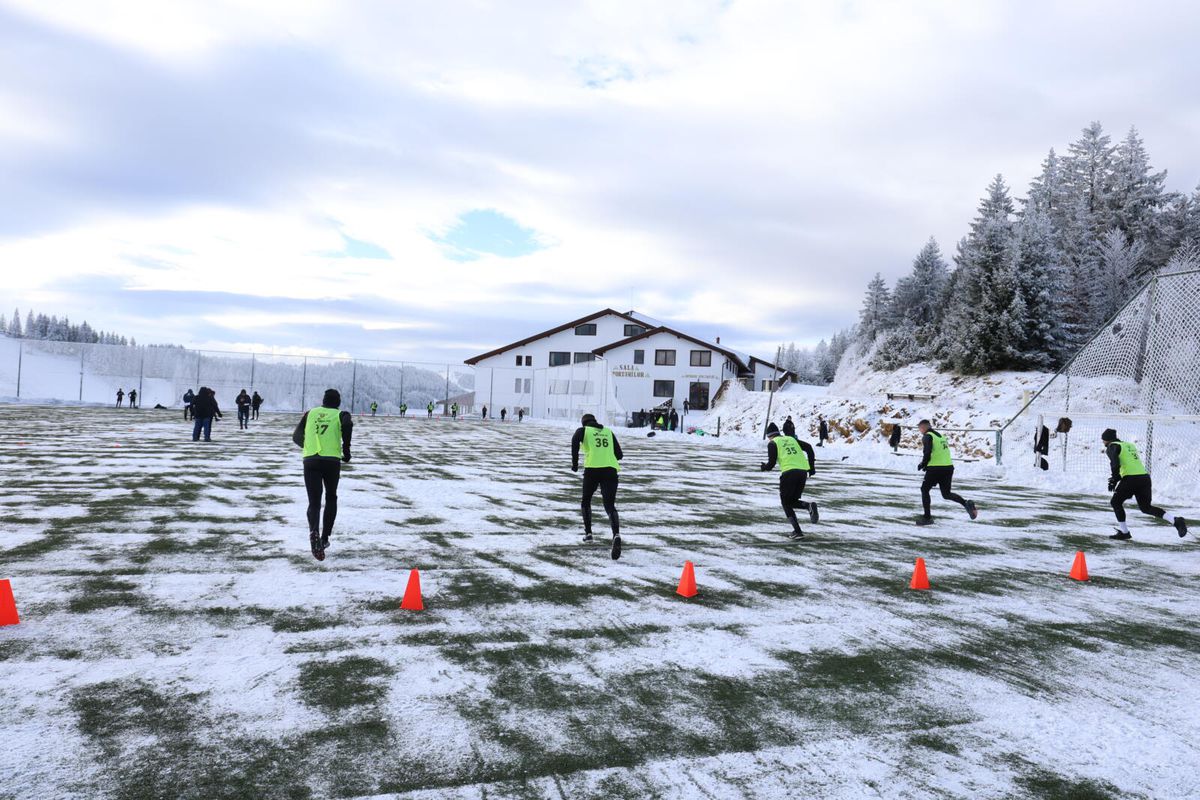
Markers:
{"x": 518, "y": 361}
{"x": 581, "y": 358}
{"x": 702, "y": 358}
{"x": 639, "y": 356}
{"x": 517, "y": 385}
{"x": 768, "y": 386}
{"x": 664, "y": 358}
{"x": 559, "y": 359}
{"x": 529, "y": 361}
{"x": 634, "y": 330}
{"x": 664, "y": 388}
{"x": 528, "y": 381}
{"x": 698, "y": 395}
{"x": 588, "y": 329}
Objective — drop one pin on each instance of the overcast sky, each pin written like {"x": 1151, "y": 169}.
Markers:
{"x": 432, "y": 180}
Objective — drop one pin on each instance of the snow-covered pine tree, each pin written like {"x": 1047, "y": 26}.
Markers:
{"x": 1120, "y": 264}
{"x": 980, "y": 323}
{"x": 919, "y": 297}
{"x": 1039, "y": 274}
{"x": 876, "y": 314}
{"x": 14, "y": 325}
{"x": 1138, "y": 196}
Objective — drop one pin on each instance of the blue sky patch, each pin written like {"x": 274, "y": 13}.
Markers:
{"x": 485, "y": 231}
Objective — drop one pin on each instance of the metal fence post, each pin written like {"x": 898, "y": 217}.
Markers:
{"x": 252, "y": 372}
{"x": 303, "y": 383}
{"x": 141, "y": 374}
{"x": 353, "y": 382}
{"x": 82, "y": 353}
{"x": 446, "y": 403}
{"x": 999, "y": 447}
{"x": 401, "y": 383}
{"x": 199, "y": 356}
{"x": 20, "y": 358}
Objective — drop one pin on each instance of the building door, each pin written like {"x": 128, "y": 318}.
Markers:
{"x": 698, "y": 396}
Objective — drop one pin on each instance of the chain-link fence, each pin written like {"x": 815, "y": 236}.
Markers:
{"x": 563, "y": 392}
{"x": 1140, "y": 375}
{"x": 37, "y": 371}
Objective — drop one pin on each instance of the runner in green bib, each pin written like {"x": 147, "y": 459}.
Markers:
{"x": 323, "y": 434}
{"x": 796, "y": 461}
{"x": 601, "y": 457}
{"x": 938, "y": 467}
{"x": 1130, "y": 478}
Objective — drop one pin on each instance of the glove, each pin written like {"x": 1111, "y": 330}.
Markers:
{"x": 812, "y": 472}
{"x": 574, "y": 468}
{"x": 1112, "y": 484}
{"x": 763, "y": 467}
{"x": 346, "y": 455}
{"x": 920, "y": 467}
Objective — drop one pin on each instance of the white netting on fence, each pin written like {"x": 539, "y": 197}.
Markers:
{"x": 1140, "y": 374}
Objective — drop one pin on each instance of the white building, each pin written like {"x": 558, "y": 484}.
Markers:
{"x": 612, "y": 363}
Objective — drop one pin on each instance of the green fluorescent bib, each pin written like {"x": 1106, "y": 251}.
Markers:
{"x": 1130, "y": 463}
{"x": 323, "y": 433}
{"x": 939, "y": 454}
{"x": 598, "y": 448}
{"x": 790, "y": 454}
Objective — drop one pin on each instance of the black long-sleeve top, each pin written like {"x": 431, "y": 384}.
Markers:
{"x": 926, "y": 450}
{"x": 577, "y": 442}
{"x": 347, "y": 421}
{"x": 1113, "y": 451}
{"x": 773, "y": 455}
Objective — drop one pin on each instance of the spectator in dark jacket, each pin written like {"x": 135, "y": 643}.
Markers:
{"x": 894, "y": 439}
{"x": 243, "y": 408}
{"x": 822, "y": 432}
{"x": 204, "y": 408}
{"x": 789, "y": 427}
{"x": 256, "y": 402}
{"x": 188, "y": 398}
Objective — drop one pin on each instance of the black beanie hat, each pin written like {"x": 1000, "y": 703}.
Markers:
{"x": 589, "y": 419}
{"x": 772, "y": 429}
{"x": 332, "y": 398}
{"x": 1109, "y": 435}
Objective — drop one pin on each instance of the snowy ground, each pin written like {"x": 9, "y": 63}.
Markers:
{"x": 177, "y": 640}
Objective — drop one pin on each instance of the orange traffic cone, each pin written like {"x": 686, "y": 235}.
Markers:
{"x": 1079, "y": 568}
{"x": 8, "y": 606}
{"x": 412, "y": 595}
{"x": 687, "y": 581}
{"x": 919, "y": 579}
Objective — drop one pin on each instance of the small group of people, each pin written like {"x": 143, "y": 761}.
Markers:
{"x": 663, "y": 419}
{"x": 204, "y": 409}
{"x": 247, "y": 406}
{"x": 133, "y": 397}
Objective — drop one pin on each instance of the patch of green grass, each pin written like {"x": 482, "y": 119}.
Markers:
{"x": 104, "y": 591}
{"x": 347, "y": 682}
{"x": 1044, "y": 784}
{"x": 933, "y": 741}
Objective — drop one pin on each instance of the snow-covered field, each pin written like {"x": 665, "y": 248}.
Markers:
{"x": 177, "y": 639}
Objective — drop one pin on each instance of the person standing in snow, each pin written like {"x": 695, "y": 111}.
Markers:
{"x": 822, "y": 431}
{"x": 894, "y": 439}
{"x": 120, "y": 397}
{"x": 503, "y": 413}
{"x": 429, "y": 410}
{"x": 674, "y": 419}
{"x": 601, "y": 457}
{"x": 521, "y": 414}
{"x": 204, "y": 408}
{"x": 1131, "y": 479}
{"x": 188, "y": 398}
{"x": 687, "y": 406}
{"x": 938, "y": 467}
{"x": 256, "y": 402}
{"x": 374, "y": 407}
{"x": 403, "y": 409}
{"x": 796, "y": 463}
{"x": 133, "y": 398}
{"x": 323, "y": 434}
{"x": 243, "y": 408}
{"x": 454, "y": 411}
{"x": 485, "y": 413}
{"x": 789, "y": 427}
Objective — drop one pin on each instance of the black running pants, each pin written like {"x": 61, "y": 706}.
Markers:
{"x": 322, "y": 474}
{"x": 604, "y": 479}
{"x": 1137, "y": 487}
{"x": 791, "y": 486}
{"x": 941, "y": 477}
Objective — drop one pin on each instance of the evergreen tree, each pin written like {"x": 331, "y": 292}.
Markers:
{"x": 1137, "y": 192}
{"x": 14, "y": 324}
{"x": 985, "y": 310}
{"x": 919, "y": 299}
{"x": 1120, "y": 262}
{"x": 875, "y": 316}
{"x": 1039, "y": 274}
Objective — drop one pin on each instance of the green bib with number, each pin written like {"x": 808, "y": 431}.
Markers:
{"x": 790, "y": 454}
{"x": 598, "y": 448}
{"x": 1129, "y": 462}
{"x": 323, "y": 433}
{"x": 939, "y": 452}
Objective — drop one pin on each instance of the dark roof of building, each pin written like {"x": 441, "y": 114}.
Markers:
{"x": 786, "y": 372}
{"x": 602, "y": 313}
